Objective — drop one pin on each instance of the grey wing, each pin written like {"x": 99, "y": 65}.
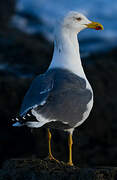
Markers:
{"x": 37, "y": 93}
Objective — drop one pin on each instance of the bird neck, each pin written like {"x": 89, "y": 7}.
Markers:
{"x": 66, "y": 52}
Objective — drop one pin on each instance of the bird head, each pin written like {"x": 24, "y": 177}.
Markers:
{"x": 77, "y": 22}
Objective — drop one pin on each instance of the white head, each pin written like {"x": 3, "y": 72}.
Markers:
{"x": 76, "y": 22}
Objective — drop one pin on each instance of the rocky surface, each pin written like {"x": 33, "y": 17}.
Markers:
{"x": 37, "y": 169}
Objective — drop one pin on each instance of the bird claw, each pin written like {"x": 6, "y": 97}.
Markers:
{"x": 70, "y": 164}
{"x": 51, "y": 158}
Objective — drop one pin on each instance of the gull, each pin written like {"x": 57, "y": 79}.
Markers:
{"x": 62, "y": 97}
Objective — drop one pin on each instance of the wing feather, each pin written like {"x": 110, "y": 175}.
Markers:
{"x": 37, "y": 93}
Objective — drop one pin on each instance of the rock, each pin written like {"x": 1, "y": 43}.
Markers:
{"x": 37, "y": 169}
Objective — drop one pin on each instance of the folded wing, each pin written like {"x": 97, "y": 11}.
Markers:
{"x": 37, "y": 93}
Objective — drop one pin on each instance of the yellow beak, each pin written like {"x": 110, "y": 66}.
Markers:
{"x": 95, "y": 25}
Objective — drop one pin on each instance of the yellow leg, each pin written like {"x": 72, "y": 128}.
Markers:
{"x": 49, "y": 144}
{"x": 70, "y": 142}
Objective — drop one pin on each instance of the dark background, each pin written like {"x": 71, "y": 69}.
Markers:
{"x": 22, "y": 57}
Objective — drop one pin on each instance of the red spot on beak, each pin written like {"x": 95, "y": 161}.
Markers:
{"x": 98, "y": 28}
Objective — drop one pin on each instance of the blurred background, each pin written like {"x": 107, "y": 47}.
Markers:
{"x": 26, "y": 46}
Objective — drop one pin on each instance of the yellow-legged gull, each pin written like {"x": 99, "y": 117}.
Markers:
{"x": 62, "y": 97}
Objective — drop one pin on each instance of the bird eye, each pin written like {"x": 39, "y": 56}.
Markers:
{"x": 78, "y": 19}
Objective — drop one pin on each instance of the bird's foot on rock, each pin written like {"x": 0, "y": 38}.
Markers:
{"x": 51, "y": 158}
{"x": 70, "y": 164}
